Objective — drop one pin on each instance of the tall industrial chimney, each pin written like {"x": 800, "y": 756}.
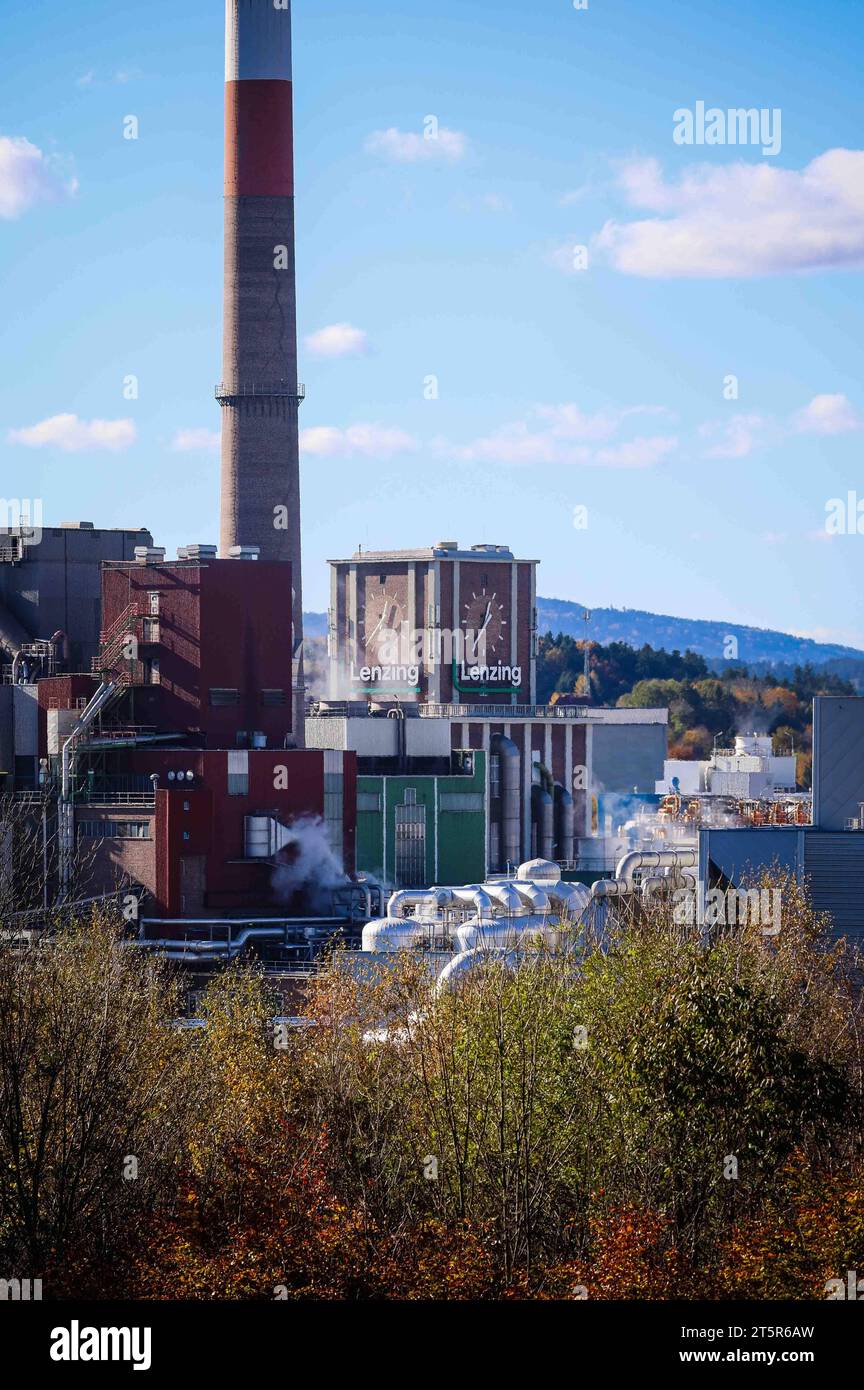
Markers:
{"x": 259, "y": 395}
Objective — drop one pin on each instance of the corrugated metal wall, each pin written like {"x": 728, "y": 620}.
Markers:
{"x": 834, "y": 865}
{"x": 838, "y": 760}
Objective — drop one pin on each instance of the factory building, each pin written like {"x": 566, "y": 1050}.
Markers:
{"x": 543, "y": 764}
{"x": 414, "y": 829}
{"x": 175, "y": 760}
{"x": 829, "y": 854}
{"x": 441, "y": 625}
{"x": 50, "y": 594}
{"x": 749, "y": 772}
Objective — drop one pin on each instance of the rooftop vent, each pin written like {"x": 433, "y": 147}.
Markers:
{"x": 196, "y": 552}
{"x": 244, "y": 552}
{"x": 149, "y": 554}
{"x": 77, "y": 526}
{"x": 447, "y": 545}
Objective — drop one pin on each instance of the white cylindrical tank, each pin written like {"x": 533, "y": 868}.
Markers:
{"x": 392, "y": 934}
{"x": 538, "y": 871}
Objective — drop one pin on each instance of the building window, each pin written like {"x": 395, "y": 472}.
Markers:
{"x": 410, "y": 796}
{"x": 150, "y": 631}
{"x": 368, "y": 801}
{"x": 410, "y": 845}
{"x": 114, "y": 829}
{"x": 154, "y": 604}
{"x": 151, "y": 672}
{"x": 238, "y": 774}
{"x": 461, "y": 801}
{"x": 220, "y": 696}
{"x": 272, "y": 698}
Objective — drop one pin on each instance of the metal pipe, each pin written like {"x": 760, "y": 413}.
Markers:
{"x": 654, "y": 859}
{"x": 467, "y": 962}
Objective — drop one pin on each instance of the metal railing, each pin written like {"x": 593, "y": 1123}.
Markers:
{"x": 100, "y": 798}
{"x": 507, "y": 712}
{"x": 228, "y": 391}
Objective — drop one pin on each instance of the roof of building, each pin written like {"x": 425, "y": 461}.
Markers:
{"x": 442, "y": 550}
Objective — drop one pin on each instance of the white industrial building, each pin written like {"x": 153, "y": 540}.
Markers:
{"x": 748, "y": 772}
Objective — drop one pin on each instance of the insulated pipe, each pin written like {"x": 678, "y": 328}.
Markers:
{"x": 612, "y": 888}
{"x": 502, "y": 932}
{"x": 473, "y": 896}
{"x": 417, "y": 897}
{"x": 534, "y": 897}
{"x": 463, "y": 965}
{"x": 391, "y": 934}
{"x": 507, "y": 896}
{"x": 652, "y": 886}
{"x": 654, "y": 859}
{"x": 569, "y": 897}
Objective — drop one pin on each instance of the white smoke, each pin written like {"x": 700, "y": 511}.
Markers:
{"x": 313, "y": 869}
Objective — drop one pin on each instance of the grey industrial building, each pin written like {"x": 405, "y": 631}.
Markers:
{"x": 827, "y": 856}
{"x": 50, "y": 584}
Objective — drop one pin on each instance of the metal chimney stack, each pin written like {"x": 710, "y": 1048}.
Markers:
{"x": 260, "y": 395}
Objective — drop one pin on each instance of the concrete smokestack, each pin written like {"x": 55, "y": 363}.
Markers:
{"x": 259, "y": 395}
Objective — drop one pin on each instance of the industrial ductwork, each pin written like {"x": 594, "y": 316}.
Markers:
{"x": 522, "y": 909}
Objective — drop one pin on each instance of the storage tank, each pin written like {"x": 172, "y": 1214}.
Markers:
{"x": 543, "y": 819}
{"x": 565, "y": 822}
{"x": 510, "y": 765}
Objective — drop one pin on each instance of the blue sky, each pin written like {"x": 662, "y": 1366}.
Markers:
{"x": 558, "y": 387}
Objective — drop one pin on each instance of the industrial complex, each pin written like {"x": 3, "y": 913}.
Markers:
{"x": 154, "y": 720}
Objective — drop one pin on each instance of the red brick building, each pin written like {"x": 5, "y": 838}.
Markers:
{"x": 186, "y": 783}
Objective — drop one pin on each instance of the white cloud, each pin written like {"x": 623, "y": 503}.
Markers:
{"x": 828, "y": 415}
{"x": 370, "y": 441}
{"x": 92, "y": 79}
{"x": 740, "y": 219}
{"x": 736, "y": 438}
{"x": 565, "y": 434}
{"x": 27, "y": 177}
{"x": 409, "y": 147}
{"x": 643, "y": 452}
{"x": 741, "y": 435}
{"x": 72, "y": 435}
{"x": 195, "y": 440}
{"x": 337, "y": 340}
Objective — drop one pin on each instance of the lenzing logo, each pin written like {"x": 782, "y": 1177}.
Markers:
{"x": 20, "y": 1290}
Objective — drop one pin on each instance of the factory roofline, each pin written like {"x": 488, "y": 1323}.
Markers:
{"x": 444, "y": 550}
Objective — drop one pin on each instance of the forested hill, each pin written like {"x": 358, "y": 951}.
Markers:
{"x": 758, "y": 648}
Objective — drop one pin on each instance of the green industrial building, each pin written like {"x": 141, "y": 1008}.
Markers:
{"x": 420, "y": 830}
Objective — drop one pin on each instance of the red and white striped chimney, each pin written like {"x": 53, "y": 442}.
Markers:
{"x": 259, "y": 395}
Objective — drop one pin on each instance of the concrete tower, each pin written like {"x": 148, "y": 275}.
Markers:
{"x": 259, "y": 394}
